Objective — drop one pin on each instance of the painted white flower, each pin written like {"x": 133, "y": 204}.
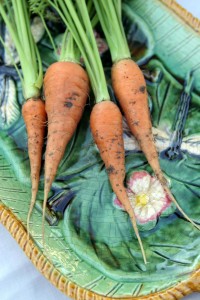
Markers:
{"x": 147, "y": 197}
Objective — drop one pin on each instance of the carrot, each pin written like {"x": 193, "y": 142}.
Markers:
{"x": 130, "y": 88}
{"x": 106, "y": 127}
{"x": 106, "y": 118}
{"x": 16, "y": 16}
{"x": 66, "y": 88}
{"x": 33, "y": 112}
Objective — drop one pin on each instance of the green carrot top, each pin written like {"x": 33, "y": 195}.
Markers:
{"x": 109, "y": 13}
{"x": 16, "y": 17}
{"x": 69, "y": 50}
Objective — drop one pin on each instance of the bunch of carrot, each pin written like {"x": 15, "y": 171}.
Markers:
{"x": 66, "y": 88}
{"x": 65, "y": 100}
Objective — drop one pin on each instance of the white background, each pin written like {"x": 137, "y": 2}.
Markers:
{"x": 18, "y": 277}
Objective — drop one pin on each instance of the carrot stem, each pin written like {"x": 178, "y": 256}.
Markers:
{"x": 69, "y": 49}
{"x": 92, "y": 13}
{"x": 18, "y": 24}
{"x": 118, "y": 8}
{"x": 24, "y": 31}
{"x": 48, "y": 33}
{"x": 38, "y": 7}
{"x": 109, "y": 16}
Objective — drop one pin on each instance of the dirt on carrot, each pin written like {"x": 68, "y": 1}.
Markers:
{"x": 66, "y": 89}
{"x": 106, "y": 127}
{"x": 34, "y": 114}
{"x": 130, "y": 89}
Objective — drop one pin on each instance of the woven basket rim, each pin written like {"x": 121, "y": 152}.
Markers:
{"x": 60, "y": 281}
{"x": 183, "y": 13}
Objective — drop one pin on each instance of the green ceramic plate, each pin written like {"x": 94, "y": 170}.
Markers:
{"x": 90, "y": 249}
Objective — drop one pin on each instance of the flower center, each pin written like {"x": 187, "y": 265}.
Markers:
{"x": 142, "y": 199}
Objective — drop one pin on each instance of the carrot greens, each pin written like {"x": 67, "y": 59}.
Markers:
{"x": 16, "y": 17}
{"x": 39, "y": 7}
{"x": 109, "y": 14}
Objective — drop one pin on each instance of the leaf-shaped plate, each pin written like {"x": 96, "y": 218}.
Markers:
{"x": 90, "y": 249}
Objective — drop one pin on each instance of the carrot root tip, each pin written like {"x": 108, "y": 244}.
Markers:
{"x": 179, "y": 208}
{"x": 43, "y": 218}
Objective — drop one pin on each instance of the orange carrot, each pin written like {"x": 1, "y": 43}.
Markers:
{"x": 66, "y": 88}
{"x": 17, "y": 19}
{"x": 34, "y": 114}
{"x": 106, "y": 127}
{"x": 130, "y": 88}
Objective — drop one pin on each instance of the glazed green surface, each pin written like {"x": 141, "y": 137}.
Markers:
{"x": 94, "y": 244}
{"x": 175, "y": 43}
